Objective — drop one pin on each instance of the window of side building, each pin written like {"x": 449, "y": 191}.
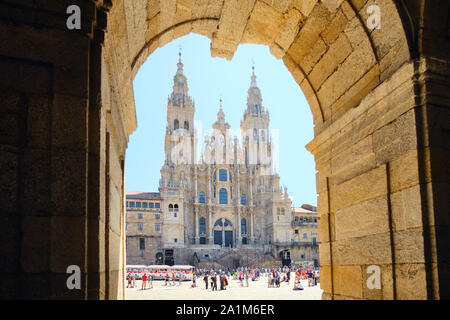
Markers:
{"x": 138, "y": 204}
{"x": 140, "y": 227}
{"x": 157, "y": 227}
{"x": 157, "y": 216}
{"x": 140, "y": 216}
{"x": 157, "y": 205}
{"x": 141, "y": 243}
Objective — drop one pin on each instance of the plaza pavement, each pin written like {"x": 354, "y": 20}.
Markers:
{"x": 257, "y": 290}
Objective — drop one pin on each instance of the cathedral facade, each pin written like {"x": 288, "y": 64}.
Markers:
{"x": 226, "y": 198}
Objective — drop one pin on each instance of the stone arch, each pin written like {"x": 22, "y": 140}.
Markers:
{"x": 379, "y": 100}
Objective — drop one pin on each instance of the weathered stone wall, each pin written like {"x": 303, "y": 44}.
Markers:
{"x": 380, "y": 101}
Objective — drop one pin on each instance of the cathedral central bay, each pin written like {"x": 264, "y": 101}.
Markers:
{"x": 225, "y": 206}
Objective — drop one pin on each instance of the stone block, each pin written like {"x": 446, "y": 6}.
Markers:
{"x": 263, "y": 24}
{"x": 335, "y": 28}
{"x": 411, "y": 283}
{"x": 369, "y": 185}
{"x": 406, "y": 206}
{"x": 404, "y": 171}
{"x": 348, "y": 281}
{"x": 314, "y": 55}
{"x": 362, "y": 219}
{"x": 409, "y": 246}
{"x": 35, "y": 251}
{"x": 68, "y": 182}
{"x": 395, "y": 138}
{"x": 310, "y": 32}
{"x": 373, "y": 249}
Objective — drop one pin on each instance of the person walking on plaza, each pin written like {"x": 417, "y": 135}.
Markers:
{"x": 167, "y": 279}
{"x": 134, "y": 280}
{"x": 150, "y": 281}
{"x": 129, "y": 280}
{"x": 214, "y": 283}
{"x": 246, "y": 279}
{"x": 144, "y": 281}
{"x": 194, "y": 278}
{"x": 205, "y": 278}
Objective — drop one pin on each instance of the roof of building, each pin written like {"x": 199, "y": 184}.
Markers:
{"x": 143, "y": 195}
{"x": 303, "y": 210}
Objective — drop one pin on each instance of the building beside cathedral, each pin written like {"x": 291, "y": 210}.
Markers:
{"x": 226, "y": 205}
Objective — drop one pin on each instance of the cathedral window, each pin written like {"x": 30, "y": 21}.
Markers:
{"x": 231, "y": 180}
{"x": 227, "y": 223}
{"x": 222, "y": 175}
{"x": 255, "y": 134}
{"x": 201, "y": 198}
{"x": 186, "y": 125}
{"x": 263, "y": 135}
{"x": 244, "y": 226}
{"x": 223, "y": 196}
{"x": 175, "y": 207}
{"x": 218, "y": 223}
{"x": 214, "y": 177}
{"x": 243, "y": 199}
{"x": 257, "y": 108}
{"x": 176, "y": 124}
{"x": 202, "y": 225}
{"x": 170, "y": 207}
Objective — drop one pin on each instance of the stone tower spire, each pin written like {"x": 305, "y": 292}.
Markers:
{"x": 179, "y": 96}
{"x": 220, "y": 124}
{"x": 254, "y": 99}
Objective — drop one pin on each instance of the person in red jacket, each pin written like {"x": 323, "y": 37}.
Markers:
{"x": 144, "y": 281}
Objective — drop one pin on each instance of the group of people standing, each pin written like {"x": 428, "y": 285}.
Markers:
{"x": 218, "y": 279}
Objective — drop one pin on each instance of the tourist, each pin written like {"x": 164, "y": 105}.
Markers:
{"x": 167, "y": 279}
{"x": 134, "y": 280}
{"x": 194, "y": 278}
{"x": 144, "y": 281}
{"x": 205, "y": 278}
{"x": 246, "y": 279}
{"x": 214, "y": 283}
{"x": 150, "y": 281}
{"x": 129, "y": 280}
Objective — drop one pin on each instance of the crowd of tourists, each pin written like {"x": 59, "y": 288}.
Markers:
{"x": 215, "y": 280}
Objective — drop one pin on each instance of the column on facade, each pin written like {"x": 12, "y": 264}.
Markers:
{"x": 239, "y": 235}
{"x": 223, "y": 233}
{"x": 211, "y": 236}
{"x": 238, "y": 189}
{"x": 252, "y": 219}
{"x": 197, "y": 237}
{"x": 250, "y": 180}
{"x": 196, "y": 179}
{"x": 209, "y": 185}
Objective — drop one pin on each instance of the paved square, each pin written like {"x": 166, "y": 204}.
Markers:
{"x": 257, "y": 290}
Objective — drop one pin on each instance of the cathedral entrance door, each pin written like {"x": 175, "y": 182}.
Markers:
{"x": 218, "y": 237}
{"x": 228, "y": 238}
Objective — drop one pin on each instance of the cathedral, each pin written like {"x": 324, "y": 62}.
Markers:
{"x": 225, "y": 198}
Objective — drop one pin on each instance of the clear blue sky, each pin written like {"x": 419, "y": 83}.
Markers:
{"x": 208, "y": 80}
